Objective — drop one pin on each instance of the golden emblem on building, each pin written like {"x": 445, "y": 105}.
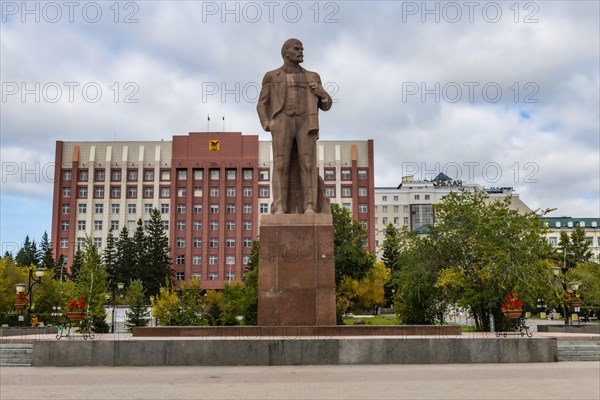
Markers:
{"x": 214, "y": 145}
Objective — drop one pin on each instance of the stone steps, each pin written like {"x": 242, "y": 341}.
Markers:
{"x": 16, "y": 354}
{"x": 578, "y": 350}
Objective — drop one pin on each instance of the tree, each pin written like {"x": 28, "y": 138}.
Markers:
{"x": 166, "y": 305}
{"x": 46, "y": 255}
{"x": 588, "y": 274}
{"x": 485, "y": 250}
{"x": 27, "y": 254}
{"x": 391, "y": 256}
{"x": 92, "y": 283}
{"x": 78, "y": 261}
{"x": 363, "y": 295}
{"x": 10, "y": 275}
{"x": 214, "y": 302}
{"x": 250, "y": 288}
{"x": 191, "y": 298}
{"x": 126, "y": 258}
{"x": 110, "y": 260}
{"x": 233, "y": 304}
{"x": 138, "y": 314}
{"x": 573, "y": 249}
{"x": 157, "y": 263}
{"x": 349, "y": 235}
{"x": 138, "y": 243}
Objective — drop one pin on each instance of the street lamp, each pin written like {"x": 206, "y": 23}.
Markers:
{"x": 33, "y": 280}
{"x": 120, "y": 287}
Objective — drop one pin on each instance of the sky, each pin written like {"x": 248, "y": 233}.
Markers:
{"x": 498, "y": 93}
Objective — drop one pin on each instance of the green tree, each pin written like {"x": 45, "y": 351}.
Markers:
{"x": 110, "y": 260}
{"x": 250, "y": 288}
{"x": 233, "y": 303}
{"x": 92, "y": 283}
{"x": 138, "y": 314}
{"x": 46, "y": 255}
{"x": 28, "y": 254}
{"x": 573, "y": 249}
{"x": 78, "y": 261}
{"x": 214, "y": 302}
{"x": 126, "y": 258}
{"x": 157, "y": 263}
{"x": 10, "y": 275}
{"x": 138, "y": 242}
{"x": 486, "y": 250}
{"x": 588, "y": 274}
{"x": 391, "y": 256}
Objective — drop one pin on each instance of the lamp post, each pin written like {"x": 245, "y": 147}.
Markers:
{"x": 120, "y": 287}
{"x": 33, "y": 280}
{"x": 574, "y": 286}
{"x": 151, "y": 309}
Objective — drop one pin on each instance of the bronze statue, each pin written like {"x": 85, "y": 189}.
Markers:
{"x": 288, "y": 107}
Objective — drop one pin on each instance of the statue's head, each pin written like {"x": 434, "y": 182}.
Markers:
{"x": 293, "y": 51}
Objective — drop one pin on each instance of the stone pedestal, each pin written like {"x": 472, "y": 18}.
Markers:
{"x": 296, "y": 279}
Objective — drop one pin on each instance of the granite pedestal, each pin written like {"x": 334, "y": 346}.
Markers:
{"x": 296, "y": 278}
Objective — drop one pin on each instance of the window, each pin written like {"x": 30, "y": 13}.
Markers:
{"x": 99, "y": 175}
{"x": 97, "y": 225}
{"x": 197, "y": 225}
{"x": 67, "y": 175}
{"x": 213, "y": 260}
{"x": 247, "y": 174}
{"x": 198, "y": 174}
{"x": 99, "y": 208}
{"x": 383, "y": 198}
{"x": 396, "y": 220}
{"x": 148, "y": 208}
{"x": 230, "y": 208}
{"x": 589, "y": 240}
{"x": 131, "y": 225}
{"x": 180, "y": 276}
{"x": 213, "y": 242}
{"x": 362, "y": 208}
{"x": 214, "y": 192}
{"x": 165, "y": 225}
{"x": 197, "y": 208}
{"x": 405, "y": 209}
{"x": 263, "y": 175}
{"x": 264, "y": 208}
{"x": 230, "y": 225}
{"x": 384, "y": 209}
{"x": 66, "y": 192}
{"x": 346, "y": 191}
{"x": 164, "y": 208}
{"x": 197, "y": 192}
{"x": 384, "y": 220}
{"x": 180, "y": 242}
{"x": 230, "y": 260}
{"x": 132, "y": 175}
{"x": 552, "y": 241}
{"x": 362, "y": 191}
{"x": 196, "y": 260}
{"x": 405, "y": 220}
{"x": 181, "y": 192}
{"x": 247, "y": 242}
{"x": 247, "y": 208}
{"x": 83, "y": 175}
{"x": 165, "y": 175}
{"x": 396, "y": 209}
{"x": 263, "y": 191}
{"x": 214, "y": 174}
{"x": 131, "y": 208}
{"x": 214, "y": 225}
{"x": 214, "y": 209}
{"x": 64, "y": 243}
{"x": 417, "y": 197}
{"x": 114, "y": 225}
{"x": 362, "y": 174}
{"x": 180, "y": 260}
{"x": 82, "y": 192}
{"x": 426, "y": 197}
{"x": 247, "y": 191}
{"x": 81, "y": 225}
{"x": 395, "y": 198}
{"x": 180, "y": 225}
{"x": 346, "y": 176}
{"x": 115, "y": 192}
{"x": 213, "y": 276}
{"x": 115, "y": 208}
{"x": 98, "y": 192}
{"x": 148, "y": 175}
{"x": 346, "y": 206}
{"x": 247, "y": 225}
{"x": 131, "y": 192}
{"x": 98, "y": 243}
{"x": 148, "y": 192}
{"x": 245, "y": 259}
{"x": 230, "y": 243}
{"x": 230, "y": 191}
{"x": 66, "y": 208}
{"x": 80, "y": 242}
{"x": 115, "y": 175}
{"x": 180, "y": 208}
{"x": 231, "y": 174}
{"x": 197, "y": 243}
{"x": 330, "y": 191}
{"x": 182, "y": 174}
{"x": 329, "y": 174}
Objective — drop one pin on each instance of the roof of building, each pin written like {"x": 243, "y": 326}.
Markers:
{"x": 586, "y": 223}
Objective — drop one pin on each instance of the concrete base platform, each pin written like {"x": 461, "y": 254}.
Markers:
{"x": 347, "y": 351}
{"x": 287, "y": 332}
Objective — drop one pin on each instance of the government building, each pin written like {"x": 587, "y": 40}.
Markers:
{"x": 211, "y": 189}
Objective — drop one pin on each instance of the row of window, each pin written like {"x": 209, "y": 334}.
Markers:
{"x": 164, "y": 208}
{"x": 416, "y": 197}
{"x": 133, "y": 174}
{"x": 385, "y": 220}
{"x": 212, "y": 276}
{"x": 213, "y": 242}
{"x": 212, "y": 260}
{"x": 346, "y": 174}
{"x": 165, "y": 192}
{"x": 553, "y": 240}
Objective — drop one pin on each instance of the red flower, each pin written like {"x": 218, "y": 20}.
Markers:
{"x": 77, "y": 305}
{"x": 512, "y": 302}
{"x": 22, "y": 298}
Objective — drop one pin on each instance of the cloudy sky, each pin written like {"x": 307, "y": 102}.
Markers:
{"x": 498, "y": 93}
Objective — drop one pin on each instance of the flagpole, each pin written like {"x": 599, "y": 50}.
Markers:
{"x": 208, "y": 123}
{"x": 223, "y": 123}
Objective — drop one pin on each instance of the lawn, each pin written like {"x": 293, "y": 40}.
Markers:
{"x": 375, "y": 320}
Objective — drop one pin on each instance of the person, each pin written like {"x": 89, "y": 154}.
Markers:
{"x": 34, "y": 320}
{"x": 288, "y": 107}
